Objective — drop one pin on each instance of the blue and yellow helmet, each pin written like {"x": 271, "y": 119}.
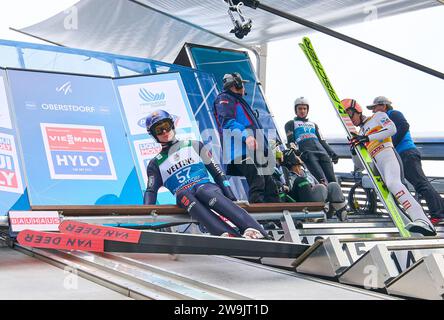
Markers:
{"x": 156, "y": 117}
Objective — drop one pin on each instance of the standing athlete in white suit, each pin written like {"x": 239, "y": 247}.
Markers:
{"x": 375, "y": 134}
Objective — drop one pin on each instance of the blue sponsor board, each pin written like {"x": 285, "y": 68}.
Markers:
{"x": 13, "y": 195}
{"x": 74, "y": 146}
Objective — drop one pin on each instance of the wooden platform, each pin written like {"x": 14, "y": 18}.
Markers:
{"x": 102, "y": 210}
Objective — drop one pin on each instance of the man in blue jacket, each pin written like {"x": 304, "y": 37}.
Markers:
{"x": 239, "y": 130}
{"x": 411, "y": 158}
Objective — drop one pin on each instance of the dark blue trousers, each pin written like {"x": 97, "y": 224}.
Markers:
{"x": 411, "y": 160}
{"x": 320, "y": 166}
{"x": 201, "y": 199}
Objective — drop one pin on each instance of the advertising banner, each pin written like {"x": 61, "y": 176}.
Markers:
{"x": 140, "y": 96}
{"x": 141, "y": 99}
{"x": 77, "y": 152}
{"x": 34, "y": 220}
{"x": 5, "y": 118}
{"x": 10, "y": 176}
{"x": 74, "y": 143}
{"x": 12, "y": 189}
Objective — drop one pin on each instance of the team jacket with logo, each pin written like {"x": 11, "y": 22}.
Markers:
{"x": 181, "y": 166}
{"x": 301, "y": 186}
{"x": 232, "y": 113}
{"x": 379, "y": 129}
{"x": 306, "y": 135}
{"x": 402, "y": 140}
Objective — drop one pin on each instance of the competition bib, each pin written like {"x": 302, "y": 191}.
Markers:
{"x": 182, "y": 168}
{"x": 304, "y": 131}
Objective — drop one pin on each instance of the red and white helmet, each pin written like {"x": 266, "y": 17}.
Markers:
{"x": 351, "y": 104}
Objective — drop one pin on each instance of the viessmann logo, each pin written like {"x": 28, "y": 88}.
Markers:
{"x": 77, "y": 152}
{"x": 65, "y": 88}
{"x": 152, "y": 99}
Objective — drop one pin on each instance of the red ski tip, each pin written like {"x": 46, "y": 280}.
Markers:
{"x": 96, "y": 231}
{"x": 59, "y": 241}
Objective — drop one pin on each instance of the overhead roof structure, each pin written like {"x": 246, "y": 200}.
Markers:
{"x": 157, "y": 29}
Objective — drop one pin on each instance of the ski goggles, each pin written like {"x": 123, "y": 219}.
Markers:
{"x": 166, "y": 126}
{"x": 351, "y": 112}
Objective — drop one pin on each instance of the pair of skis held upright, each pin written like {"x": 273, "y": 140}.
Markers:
{"x": 94, "y": 238}
{"x": 397, "y": 214}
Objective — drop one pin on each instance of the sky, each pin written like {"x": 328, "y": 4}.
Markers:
{"x": 354, "y": 72}
{"x": 363, "y": 75}
{"x": 22, "y": 13}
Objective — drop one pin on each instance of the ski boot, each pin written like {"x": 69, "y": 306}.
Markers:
{"x": 421, "y": 227}
{"x": 437, "y": 219}
{"x": 342, "y": 214}
{"x": 251, "y": 233}
{"x": 228, "y": 235}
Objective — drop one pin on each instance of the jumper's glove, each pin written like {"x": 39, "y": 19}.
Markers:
{"x": 293, "y": 146}
{"x": 230, "y": 195}
{"x": 334, "y": 158}
{"x": 352, "y": 150}
{"x": 226, "y": 189}
{"x": 358, "y": 139}
{"x": 285, "y": 188}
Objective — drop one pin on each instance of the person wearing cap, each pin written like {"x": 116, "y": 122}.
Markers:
{"x": 184, "y": 168}
{"x": 411, "y": 158}
{"x": 314, "y": 150}
{"x": 238, "y": 125}
{"x": 375, "y": 135}
{"x": 304, "y": 187}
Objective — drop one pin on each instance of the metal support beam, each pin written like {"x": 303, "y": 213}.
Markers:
{"x": 261, "y": 64}
{"x": 372, "y": 271}
{"x": 424, "y": 280}
{"x": 256, "y": 4}
{"x": 324, "y": 258}
{"x": 291, "y": 234}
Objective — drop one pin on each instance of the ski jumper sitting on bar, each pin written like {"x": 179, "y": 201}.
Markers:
{"x": 182, "y": 167}
{"x": 304, "y": 187}
{"x": 314, "y": 150}
{"x": 280, "y": 175}
{"x": 375, "y": 134}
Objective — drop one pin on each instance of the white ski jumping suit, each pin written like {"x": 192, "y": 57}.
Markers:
{"x": 379, "y": 129}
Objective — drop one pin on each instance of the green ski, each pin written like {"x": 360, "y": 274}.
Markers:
{"x": 385, "y": 196}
